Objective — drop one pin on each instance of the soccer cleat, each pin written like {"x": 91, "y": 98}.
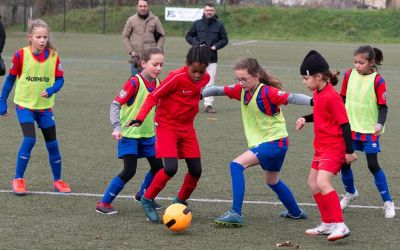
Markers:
{"x": 347, "y": 199}
{"x": 155, "y": 204}
{"x": 19, "y": 186}
{"x": 322, "y": 229}
{"x": 230, "y": 218}
{"x": 149, "y": 210}
{"x": 286, "y": 214}
{"x": 61, "y": 186}
{"x": 177, "y": 200}
{"x": 341, "y": 231}
{"x": 105, "y": 208}
{"x": 388, "y": 206}
{"x": 209, "y": 109}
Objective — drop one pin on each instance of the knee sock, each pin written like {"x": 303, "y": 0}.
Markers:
{"x": 286, "y": 197}
{"x": 332, "y": 203}
{"x": 238, "y": 186}
{"x": 348, "y": 180}
{"x": 23, "y": 156}
{"x": 158, "y": 183}
{"x": 146, "y": 183}
{"x": 323, "y": 209}
{"x": 381, "y": 184}
{"x": 113, "y": 189}
{"x": 188, "y": 186}
{"x": 54, "y": 159}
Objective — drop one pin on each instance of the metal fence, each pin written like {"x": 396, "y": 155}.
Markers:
{"x": 18, "y": 11}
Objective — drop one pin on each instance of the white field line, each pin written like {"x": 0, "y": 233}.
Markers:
{"x": 244, "y": 42}
{"x": 192, "y": 199}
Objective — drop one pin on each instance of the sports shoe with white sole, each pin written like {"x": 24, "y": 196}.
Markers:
{"x": 105, "y": 208}
{"x": 388, "y": 206}
{"x": 322, "y": 229}
{"x": 347, "y": 199}
{"x": 230, "y": 218}
{"x": 286, "y": 214}
{"x": 340, "y": 231}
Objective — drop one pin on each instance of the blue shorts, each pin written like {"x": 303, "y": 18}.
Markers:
{"x": 271, "y": 154}
{"x": 44, "y": 118}
{"x": 368, "y": 147}
{"x": 144, "y": 147}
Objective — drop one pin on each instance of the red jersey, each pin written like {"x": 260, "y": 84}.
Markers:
{"x": 329, "y": 114}
{"x": 130, "y": 89}
{"x": 177, "y": 99}
{"x": 268, "y": 99}
{"x": 16, "y": 67}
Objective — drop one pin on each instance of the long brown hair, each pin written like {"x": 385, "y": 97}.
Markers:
{"x": 36, "y": 23}
{"x": 253, "y": 67}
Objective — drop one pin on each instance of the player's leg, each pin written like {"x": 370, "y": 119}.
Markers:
{"x": 46, "y": 123}
{"x": 26, "y": 119}
{"x": 234, "y": 217}
{"x": 190, "y": 181}
{"x": 381, "y": 184}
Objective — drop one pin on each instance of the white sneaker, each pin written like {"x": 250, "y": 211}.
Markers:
{"x": 341, "y": 231}
{"x": 347, "y": 199}
{"x": 388, "y": 206}
{"x": 322, "y": 229}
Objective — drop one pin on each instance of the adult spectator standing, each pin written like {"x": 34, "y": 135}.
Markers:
{"x": 211, "y": 31}
{"x": 2, "y": 42}
{"x": 142, "y": 31}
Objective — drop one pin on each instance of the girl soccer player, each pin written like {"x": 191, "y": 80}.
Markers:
{"x": 364, "y": 93}
{"x": 38, "y": 75}
{"x": 332, "y": 144}
{"x": 265, "y": 128}
{"x": 177, "y": 100}
{"x": 134, "y": 142}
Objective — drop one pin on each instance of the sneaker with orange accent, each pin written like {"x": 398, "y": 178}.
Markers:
{"x": 61, "y": 186}
{"x": 19, "y": 186}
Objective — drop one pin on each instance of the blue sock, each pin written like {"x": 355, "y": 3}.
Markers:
{"x": 54, "y": 159}
{"x": 381, "y": 184}
{"x": 286, "y": 197}
{"x": 146, "y": 183}
{"x": 348, "y": 180}
{"x": 238, "y": 186}
{"x": 23, "y": 156}
{"x": 113, "y": 189}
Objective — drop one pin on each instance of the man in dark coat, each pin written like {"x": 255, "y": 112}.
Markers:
{"x": 209, "y": 31}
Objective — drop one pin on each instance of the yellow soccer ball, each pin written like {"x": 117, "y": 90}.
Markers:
{"x": 177, "y": 217}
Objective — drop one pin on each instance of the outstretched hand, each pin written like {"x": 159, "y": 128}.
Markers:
{"x": 300, "y": 123}
{"x": 134, "y": 123}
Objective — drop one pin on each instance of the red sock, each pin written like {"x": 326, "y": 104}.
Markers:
{"x": 323, "y": 210}
{"x": 333, "y": 203}
{"x": 158, "y": 183}
{"x": 189, "y": 184}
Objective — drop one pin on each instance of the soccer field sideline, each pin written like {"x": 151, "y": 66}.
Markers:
{"x": 191, "y": 199}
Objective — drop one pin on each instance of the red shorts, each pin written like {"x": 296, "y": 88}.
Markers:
{"x": 175, "y": 143}
{"x": 330, "y": 163}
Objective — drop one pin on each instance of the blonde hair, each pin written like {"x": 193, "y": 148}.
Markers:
{"x": 39, "y": 23}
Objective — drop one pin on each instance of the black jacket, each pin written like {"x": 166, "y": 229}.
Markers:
{"x": 208, "y": 30}
{"x": 2, "y": 37}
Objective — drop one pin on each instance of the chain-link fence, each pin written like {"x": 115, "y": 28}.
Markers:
{"x": 104, "y": 15}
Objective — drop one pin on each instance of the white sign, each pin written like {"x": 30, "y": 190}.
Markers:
{"x": 183, "y": 14}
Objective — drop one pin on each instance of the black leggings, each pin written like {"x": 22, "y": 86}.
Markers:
{"x": 372, "y": 161}
{"x": 193, "y": 165}
{"x": 130, "y": 165}
{"x": 28, "y": 130}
